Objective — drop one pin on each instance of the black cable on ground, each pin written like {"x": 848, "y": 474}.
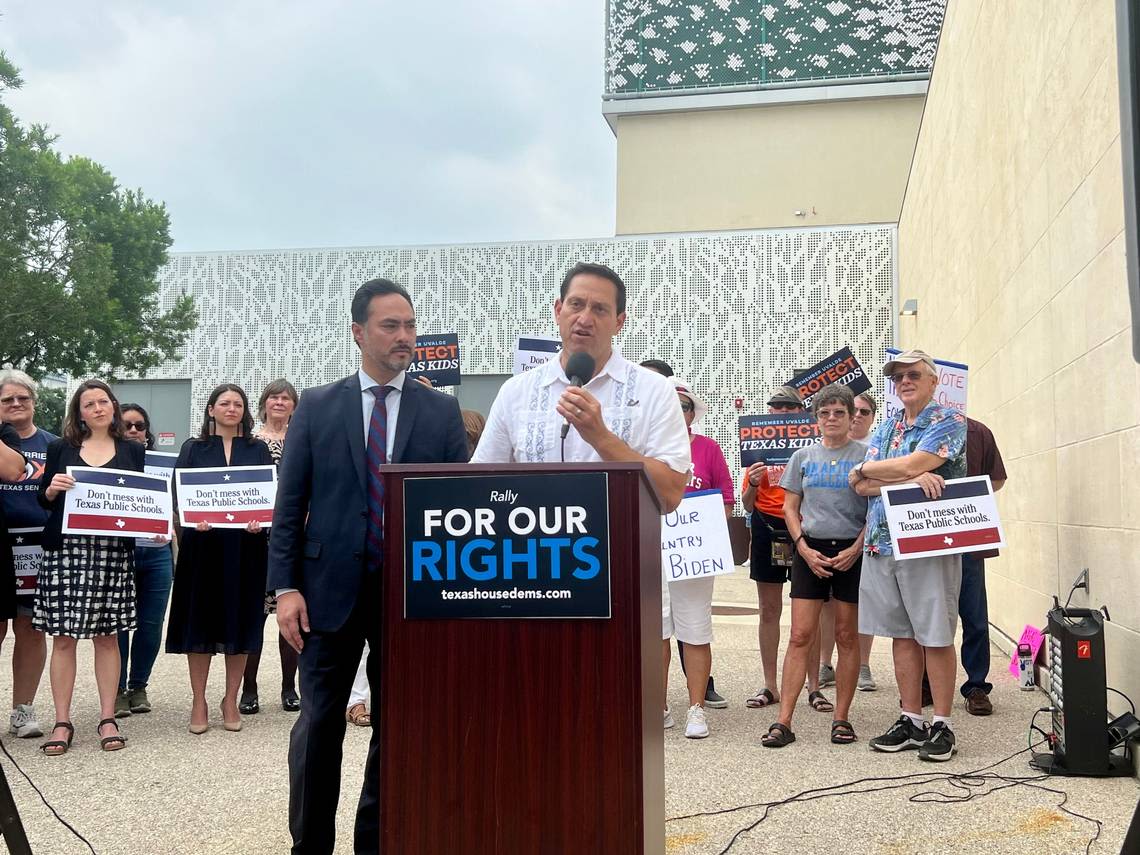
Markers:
{"x": 55, "y": 813}
{"x": 968, "y": 782}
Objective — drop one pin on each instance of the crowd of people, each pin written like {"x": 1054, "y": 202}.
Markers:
{"x": 817, "y": 523}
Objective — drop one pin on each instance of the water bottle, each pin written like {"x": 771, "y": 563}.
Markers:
{"x": 1025, "y": 676}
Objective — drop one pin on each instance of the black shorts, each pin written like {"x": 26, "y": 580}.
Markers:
{"x": 842, "y": 586}
{"x": 760, "y": 567}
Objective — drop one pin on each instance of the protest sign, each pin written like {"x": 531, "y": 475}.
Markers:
{"x": 160, "y": 463}
{"x": 963, "y": 519}
{"x": 694, "y": 539}
{"x": 437, "y": 358}
{"x": 27, "y": 554}
{"x": 772, "y": 439}
{"x": 951, "y": 391}
{"x": 533, "y": 351}
{"x": 841, "y": 367}
{"x": 1032, "y": 636}
{"x": 119, "y": 502}
{"x": 226, "y": 496}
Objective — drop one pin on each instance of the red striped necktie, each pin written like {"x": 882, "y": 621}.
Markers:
{"x": 376, "y": 454}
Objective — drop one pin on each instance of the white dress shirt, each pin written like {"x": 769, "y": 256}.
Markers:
{"x": 392, "y": 402}
{"x": 638, "y": 405}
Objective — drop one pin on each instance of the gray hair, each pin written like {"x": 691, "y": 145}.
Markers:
{"x": 870, "y": 399}
{"x": 16, "y": 377}
{"x": 833, "y": 394}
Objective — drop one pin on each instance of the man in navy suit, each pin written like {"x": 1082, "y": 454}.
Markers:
{"x": 325, "y": 547}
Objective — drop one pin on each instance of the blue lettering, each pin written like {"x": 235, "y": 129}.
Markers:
{"x": 490, "y": 569}
{"x": 591, "y": 565}
{"x": 425, "y": 556}
{"x": 528, "y": 559}
{"x": 555, "y": 545}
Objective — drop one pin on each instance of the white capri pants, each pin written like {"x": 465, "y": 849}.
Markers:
{"x": 686, "y": 610}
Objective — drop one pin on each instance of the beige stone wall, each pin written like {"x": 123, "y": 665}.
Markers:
{"x": 753, "y": 167}
{"x": 1012, "y": 240}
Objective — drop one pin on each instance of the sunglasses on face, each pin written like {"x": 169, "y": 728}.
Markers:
{"x": 912, "y": 376}
{"x": 787, "y": 408}
{"x": 686, "y": 406}
{"x": 22, "y": 400}
{"x": 139, "y": 426}
{"x": 863, "y": 411}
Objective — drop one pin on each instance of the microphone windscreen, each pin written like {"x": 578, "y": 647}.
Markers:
{"x": 579, "y": 368}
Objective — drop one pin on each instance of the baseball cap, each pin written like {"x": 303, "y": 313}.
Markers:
{"x": 909, "y": 357}
{"x": 786, "y": 395}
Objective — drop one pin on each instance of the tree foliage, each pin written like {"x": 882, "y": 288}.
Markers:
{"x": 79, "y": 261}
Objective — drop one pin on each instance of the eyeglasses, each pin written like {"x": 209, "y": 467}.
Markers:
{"x": 912, "y": 376}
{"x": 686, "y": 406}
{"x": 139, "y": 426}
{"x": 824, "y": 415}
{"x": 22, "y": 400}
{"x": 864, "y": 411}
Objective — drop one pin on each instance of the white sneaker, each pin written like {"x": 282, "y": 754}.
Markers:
{"x": 695, "y": 725}
{"x": 668, "y": 718}
{"x": 22, "y": 722}
{"x": 866, "y": 681}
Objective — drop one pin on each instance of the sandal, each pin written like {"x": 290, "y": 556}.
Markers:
{"x": 56, "y": 747}
{"x": 778, "y": 736}
{"x": 761, "y": 699}
{"x": 111, "y": 743}
{"x": 358, "y": 714}
{"x": 842, "y": 733}
{"x": 819, "y": 703}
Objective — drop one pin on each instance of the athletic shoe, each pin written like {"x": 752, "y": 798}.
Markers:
{"x": 122, "y": 705}
{"x": 940, "y": 745}
{"x": 903, "y": 735}
{"x": 22, "y": 722}
{"x": 695, "y": 725}
{"x": 140, "y": 703}
{"x": 866, "y": 681}
{"x": 826, "y": 675}
{"x": 714, "y": 701}
{"x": 668, "y": 718}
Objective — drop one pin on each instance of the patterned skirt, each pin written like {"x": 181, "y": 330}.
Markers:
{"x": 86, "y": 588}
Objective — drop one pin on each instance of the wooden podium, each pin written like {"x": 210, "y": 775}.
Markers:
{"x": 520, "y": 736}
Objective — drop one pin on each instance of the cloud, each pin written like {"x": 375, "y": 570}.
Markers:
{"x": 343, "y": 123}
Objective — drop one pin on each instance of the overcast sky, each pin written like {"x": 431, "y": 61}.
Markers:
{"x": 335, "y": 123}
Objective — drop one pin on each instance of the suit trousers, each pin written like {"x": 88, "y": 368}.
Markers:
{"x": 327, "y": 667}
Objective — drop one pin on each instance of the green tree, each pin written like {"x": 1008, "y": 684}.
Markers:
{"x": 79, "y": 261}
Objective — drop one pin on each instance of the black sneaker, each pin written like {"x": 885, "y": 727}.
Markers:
{"x": 903, "y": 735}
{"x": 940, "y": 746}
{"x": 713, "y": 700}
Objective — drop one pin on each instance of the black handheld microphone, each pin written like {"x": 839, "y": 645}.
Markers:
{"x": 579, "y": 368}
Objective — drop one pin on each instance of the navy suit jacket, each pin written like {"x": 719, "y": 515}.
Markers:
{"x": 320, "y": 520}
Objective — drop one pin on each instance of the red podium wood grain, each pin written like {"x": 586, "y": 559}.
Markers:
{"x": 526, "y": 736}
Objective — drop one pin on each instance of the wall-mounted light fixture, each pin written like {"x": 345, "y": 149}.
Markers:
{"x": 910, "y": 308}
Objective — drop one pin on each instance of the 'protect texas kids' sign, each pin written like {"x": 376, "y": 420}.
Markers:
{"x": 436, "y": 357}
{"x": 772, "y": 439}
{"x": 841, "y": 367}
{"x": 963, "y": 519}
{"x": 507, "y": 546}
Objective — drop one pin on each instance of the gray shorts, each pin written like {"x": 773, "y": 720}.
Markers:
{"x": 916, "y": 598}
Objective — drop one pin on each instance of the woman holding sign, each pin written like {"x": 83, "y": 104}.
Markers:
{"x": 218, "y": 605}
{"x": 86, "y": 586}
{"x": 825, "y": 519}
{"x": 687, "y": 605}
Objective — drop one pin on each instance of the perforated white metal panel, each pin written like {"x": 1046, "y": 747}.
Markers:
{"x": 733, "y": 313}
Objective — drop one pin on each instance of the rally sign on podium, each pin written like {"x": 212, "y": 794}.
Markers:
{"x": 506, "y": 546}
{"x": 963, "y": 519}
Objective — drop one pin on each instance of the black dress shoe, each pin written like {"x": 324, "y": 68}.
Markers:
{"x": 249, "y": 704}
{"x": 290, "y": 701}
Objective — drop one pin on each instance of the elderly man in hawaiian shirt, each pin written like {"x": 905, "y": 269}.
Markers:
{"x": 915, "y": 602}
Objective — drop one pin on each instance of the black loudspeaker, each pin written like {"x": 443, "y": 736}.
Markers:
{"x": 1128, "y": 65}
{"x": 1078, "y": 696}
